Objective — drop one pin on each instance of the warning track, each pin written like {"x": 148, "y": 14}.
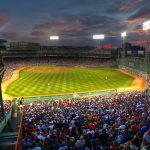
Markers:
{"x": 138, "y": 83}
{"x": 57, "y": 69}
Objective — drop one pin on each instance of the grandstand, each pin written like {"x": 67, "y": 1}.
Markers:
{"x": 118, "y": 121}
{"x": 93, "y": 119}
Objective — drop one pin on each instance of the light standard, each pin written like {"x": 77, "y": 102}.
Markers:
{"x": 123, "y": 35}
{"x": 98, "y": 37}
{"x": 146, "y": 29}
{"x": 54, "y": 37}
{"x": 1, "y": 97}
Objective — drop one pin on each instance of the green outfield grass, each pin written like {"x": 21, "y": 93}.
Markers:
{"x": 69, "y": 81}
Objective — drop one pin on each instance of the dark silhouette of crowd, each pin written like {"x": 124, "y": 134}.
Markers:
{"x": 117, "y": 122}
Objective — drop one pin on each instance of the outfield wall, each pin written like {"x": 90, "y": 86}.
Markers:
{"x": 133, "y": 71}
{"x": 66, "y": 96}
{"x": 134, "y": 66}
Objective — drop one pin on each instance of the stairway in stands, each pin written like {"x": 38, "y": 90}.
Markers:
{"x": 8, "y": 140}
{"x": 8, "y": 137}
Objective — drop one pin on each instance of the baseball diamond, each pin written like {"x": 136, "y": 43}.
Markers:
{"x": 52, "y": 80}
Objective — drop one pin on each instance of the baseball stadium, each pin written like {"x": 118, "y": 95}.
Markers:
{"x": 63, "y": 88}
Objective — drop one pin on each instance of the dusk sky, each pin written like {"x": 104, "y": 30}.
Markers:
{"x": 75, "y": 21}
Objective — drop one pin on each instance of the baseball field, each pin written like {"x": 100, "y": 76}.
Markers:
{"x": 51, "y": 80}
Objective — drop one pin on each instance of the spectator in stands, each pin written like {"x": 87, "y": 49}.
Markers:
{"x": 7, "y": 107}
{"x": 116, "y": 122}
{"x": 17, "y": 63}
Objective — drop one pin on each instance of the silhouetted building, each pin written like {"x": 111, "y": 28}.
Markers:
{"x": 3, "y": 44}
{"x": 134, "y": 50}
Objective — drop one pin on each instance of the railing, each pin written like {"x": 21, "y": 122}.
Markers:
{"x": 19, "y": 138}
{"x": 73, "y": 95}
{"x": 3, "y": 123}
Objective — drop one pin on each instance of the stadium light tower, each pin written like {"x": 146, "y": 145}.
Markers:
{"x": 146, "y": 25}
{"x": 98, "y": 37}
{"x": 146, "y": 29}
{"x": 1, "y": 76}
{"x": 123, "y": 35}
{"x": 54, "y": 37}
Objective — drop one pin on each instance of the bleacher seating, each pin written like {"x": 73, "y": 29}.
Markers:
{"x": 120, "y": 121}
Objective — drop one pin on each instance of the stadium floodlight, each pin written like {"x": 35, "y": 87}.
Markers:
{"x": 54, "y": 37}
{"x": 146, "y": 25}
{"x": 98, "y": 37}
{"x": 123, "y": 34}
{"x": 146, "y": 29}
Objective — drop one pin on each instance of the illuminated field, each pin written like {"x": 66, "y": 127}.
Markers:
{"x": 51, "y": 80}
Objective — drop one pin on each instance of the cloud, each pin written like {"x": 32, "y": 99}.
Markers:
{"x": 125, "y": 7}
{"x": 4, "y": 21}
{"x": 101, "y": 22}
{"x": 137, "y": 31}
{"x": 74, "y": 21}
{"x": 38, "y": 33}
{"x": 135, "y": 20}
{"x": 57, "y": 26}
{"x": 80, "y": 28}
{"x": 11, "y": 35}
{"x": 130, "y": 5}
{"x": 142, "y": 14}
{"x": 15, "y": 37}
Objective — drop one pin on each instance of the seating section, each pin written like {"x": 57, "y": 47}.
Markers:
{"x": 119, "y": 121}
{"x": 53, "y": 61}
{"x": 7, "y": 107}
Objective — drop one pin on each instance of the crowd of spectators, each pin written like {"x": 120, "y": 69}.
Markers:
{"x": 17, "y": 63}
{"x": 117, "y": 122}
{"x": 7, "y": 107}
